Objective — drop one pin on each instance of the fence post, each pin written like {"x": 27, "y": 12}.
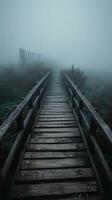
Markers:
{"x": 80, "y": 109}
{"x": 73, "y": 103}
{"x": 19, "y": 121}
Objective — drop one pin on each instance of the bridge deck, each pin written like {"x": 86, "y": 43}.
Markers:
{"x": 56, "y": 164}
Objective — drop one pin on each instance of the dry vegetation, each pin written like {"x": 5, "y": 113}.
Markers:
{"x": 97, "y": 88}
{"x": 15, "y": 82}
{"x": 78, "y": 76}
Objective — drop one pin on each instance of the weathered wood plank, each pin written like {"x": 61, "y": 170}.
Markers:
{"x": 55, "y": 134}
{"x": 55, "y": 140}
{"x": 53, "y": 174}
{"x": 56, "y": 125}
{"x": 56, "y": 106}
{"x": 56, "y": 122}
{"x": 55, "y": 98}
{"x": 54, "y": 116}
{"x": 54, "y": 163}
{"x": 58, "y": 112}
{"x": 55, "y": 101}
{"x": 54, "y": 154}
{"x": 51, "y": 120}
{"x": 56, "y": 130}
{"x": 58, "y": 147}
{"x": 54, "y": 189}
{"x": 81, "y": 197}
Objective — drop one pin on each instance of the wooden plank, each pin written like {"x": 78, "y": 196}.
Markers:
{"x": 56, "y": 125}
{"x": 53, "y": 174}
{"x": 56, "y": 134}
{"x": 51, "y": 189}
{"x": 55, "y": 140}
{"x": 54, "y": 154}
{"x": 55, "y": 130}
{"x": 54, "y": 116}
{"x": 81, "y": 197}
{"x": 57, "y": 112}
{"x": 56, "y": 122}
{"x": 55, "y": 101}
{"x": 58, "y": 147}
{"x": 54, "y": 163}
{"x": 58, "y": 105}
{"x": 59, "y": 108}
{"x": 55, "y": 96}
{"x": 56, "y": 119}
{"x": 56, "y": 109}
{"x": 56, "y": 93}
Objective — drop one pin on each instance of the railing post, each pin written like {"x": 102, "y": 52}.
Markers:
{"x": 30, "y": 105}
{"x": 80, "y": 109}
{"x": 92, "y": 131}
{"x": 19, "y": 121}
{"x": 73, "y": 103}
{"x": 93, "y": 127}
{"x": 66, "y": 87}
{"x": 44, "y": 88}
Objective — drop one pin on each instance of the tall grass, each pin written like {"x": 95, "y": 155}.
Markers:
{"x": 15, "y": 82}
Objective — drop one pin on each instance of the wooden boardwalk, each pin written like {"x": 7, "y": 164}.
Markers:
{"x": 56, "y": 164}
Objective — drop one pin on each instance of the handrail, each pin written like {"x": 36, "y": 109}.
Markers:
{"x": 24, "y": 121}
{"x": 8, "y": 122}
{"x": 92, "y": 127}
{"x": 100, "y": 122}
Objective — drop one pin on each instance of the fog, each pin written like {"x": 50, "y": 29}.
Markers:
{"x": 68, "y": 31}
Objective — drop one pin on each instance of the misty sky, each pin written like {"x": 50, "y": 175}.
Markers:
{"x": 69, "y": 31}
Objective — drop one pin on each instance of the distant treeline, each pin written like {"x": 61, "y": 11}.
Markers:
{"x": 15, "y": 82}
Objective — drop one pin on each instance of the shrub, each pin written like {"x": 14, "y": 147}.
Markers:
{"x": 78, "y": 76}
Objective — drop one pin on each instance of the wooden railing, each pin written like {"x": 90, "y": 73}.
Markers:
{"x": 19, "y": 125}
{"x": 94, "y": 130}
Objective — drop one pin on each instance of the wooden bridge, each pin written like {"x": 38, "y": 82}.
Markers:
{"x": 59, "y": 146}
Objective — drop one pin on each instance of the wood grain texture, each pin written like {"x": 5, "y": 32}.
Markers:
{"x": 52, "y": 189}
{"x": 54, "y": 174}
{"x": 54, "y": 154}
{"x": 56, "y": 147}
{"x": 54, "y": 163}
